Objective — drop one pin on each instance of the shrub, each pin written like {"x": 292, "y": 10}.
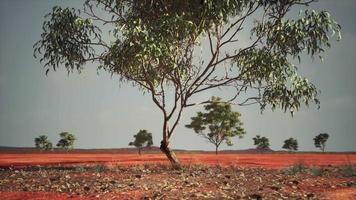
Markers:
{"x": 100, "y": 168}
{"x": 296, "y": 168}
{"x": 316, "y": 171}
{"x": 348, "y": 170}
{"x": 80, "y": 169}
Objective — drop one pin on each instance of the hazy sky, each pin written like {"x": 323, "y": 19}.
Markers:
{"x": 104, "y": 114}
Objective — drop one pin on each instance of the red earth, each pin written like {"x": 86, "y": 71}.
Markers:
{"x": 266, "y": 160}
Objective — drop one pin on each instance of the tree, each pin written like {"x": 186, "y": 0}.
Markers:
{"x": 142, "y": 138}
{"x": 67, "y": 141}
{"x": 320, "y": 141}
{"x": 261, "y": 142}
{"x": 290, "y": 144}
{"x": 219, "y": 124}
{"x": 154, "y": 46}
{"x": 42, "y": 142}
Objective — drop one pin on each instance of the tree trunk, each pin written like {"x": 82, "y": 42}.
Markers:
{"x": 216, "y": 150}
{"x": 139, "y": 151}
{"x": 170, "y": 154}
{"x": 165, "y": 146}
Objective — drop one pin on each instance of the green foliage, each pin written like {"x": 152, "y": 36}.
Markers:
{"x": 80, "y": 169}
{"x": 348, "y": 170}
{"x": 155, "y": 45}
{"x": 320, "y": 141}
{"x": 66, "y": 39}
{"x": 295, "y": 169}
{"x": 316, "y": 171}
{"x": 219, "y": 124}
{"x": 100, "y": 168}
{"x": 142, "y": 138}
{"x": 42, "y": 143}
{"x": 67, "y": 141}
{"x": 290, "y": 144}
{"x": 261, "y": 142}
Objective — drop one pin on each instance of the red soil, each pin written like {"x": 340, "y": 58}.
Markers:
{"x": 345, "y": 194}
{"x": 33, "y": 195}
{"x": 267, "y": 160}
{"x": 62, "y": 196}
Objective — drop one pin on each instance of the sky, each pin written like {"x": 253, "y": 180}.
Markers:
{"x": 102, "y": 113}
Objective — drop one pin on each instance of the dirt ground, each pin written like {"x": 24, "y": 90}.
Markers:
{"x": 266, "y": 160}
{"x": 204, "y": 176}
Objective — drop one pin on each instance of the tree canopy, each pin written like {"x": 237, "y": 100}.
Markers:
{"x": 290, "y": 144}
{"x": 218, "y": 124}
{"x": 155, "y": 46}
{"x": 43, "y": 143}
{"x": 261, "y": 142}
{"x": 142, "y": 138}
{"x": 320, "y": 141}
{"x": 67, "y": 141}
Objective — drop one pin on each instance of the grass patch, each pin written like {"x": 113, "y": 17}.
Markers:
{"x": 348, "y": 170}
{"x": 296, "y": 169}
{"x": 80, "y": 169}
{"x": 316, "y": 171}
{"x": 100, "y": 168}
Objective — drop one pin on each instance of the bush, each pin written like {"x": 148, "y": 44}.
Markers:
{"x": 80, "y": 169}
{"x": 101, "y": 168}
{"x": 316, "y": 171}
{"x": 348, "y": 170}
{"x": 296, "y": 168}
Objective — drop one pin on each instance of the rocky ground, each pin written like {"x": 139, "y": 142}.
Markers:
{"x": 161, "y": 182}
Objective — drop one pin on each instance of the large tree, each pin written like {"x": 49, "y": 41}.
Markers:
{"x": 219, "y": 124}
{"x": 154, "y": 45}
{"x": 142, "y": 138}
{"x": 320, "y": 141}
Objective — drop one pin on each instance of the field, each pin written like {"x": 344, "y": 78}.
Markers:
{"x": 108, "y": 175}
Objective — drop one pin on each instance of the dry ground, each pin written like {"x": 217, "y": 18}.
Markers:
{"x": 204, "y": 176}
{"x": 266, "y": 160}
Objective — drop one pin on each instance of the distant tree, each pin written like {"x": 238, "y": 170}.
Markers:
{"x": 42, "y": 143}
{"x": 320, "y": 141}
{"x": 218, "y": 124}
{"x": 67, "y": 141}
{"x": 261, "y": 142}
{"x": 142, "y": 138}
{"x": 290, "y": 144}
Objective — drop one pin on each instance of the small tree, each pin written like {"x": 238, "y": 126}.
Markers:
{"x": 67, "y": 141}
{"x": 42, "y": 143}
{"x": 142, "y": 138}
{"x": 290, "y": 144}
{"x": 261, "y": 142}
{"x": 320, "y": 141}
{"x": 222, "y": 123}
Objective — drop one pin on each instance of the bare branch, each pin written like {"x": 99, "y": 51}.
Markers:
{"x": 163, "y": 94}
{"x": 94, "y": 16}
{"x": 178, "y": 118}
{"x": 240, "y": 21}
{"x": 210, "y": 43}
